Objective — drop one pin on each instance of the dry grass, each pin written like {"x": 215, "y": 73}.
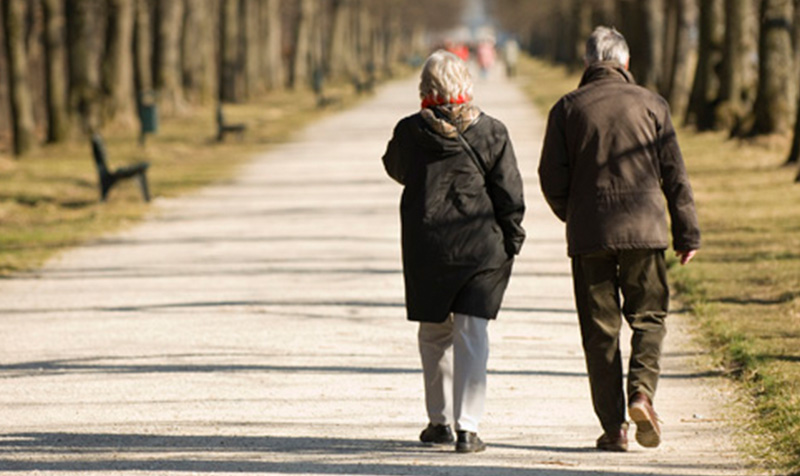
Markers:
{"x": 744, "y": 286}
{"x": 49, "y": 199}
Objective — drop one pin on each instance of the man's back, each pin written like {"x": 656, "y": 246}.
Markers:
{"x": 609, "y": 146}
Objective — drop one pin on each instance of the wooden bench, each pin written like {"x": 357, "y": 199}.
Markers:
{"x": 318, "y": 83}
{"x": 225, "y": 128}
{"x": 362, "y": 86}
{"x": 109, "y": 178}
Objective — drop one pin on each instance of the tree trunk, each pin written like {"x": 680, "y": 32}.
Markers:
{"x": 582, "y": 29}
{"x": 794, "y": 154}
{"x": 143, "y": 47}
{"x": 168, "y": 48}
{"x": 705, "y": 89}
{"x": 672, "y": 20}
{"x": 392, "y": 37}
{"x": 563, "y": 50}
{"x": 56, "y": 53}
{"x": 317, "y": 49}
{"x": 631, "y": 16}
{"x": 198, "y": 65}
{"x": 230, "y": 84}
{"x": 653, "y": 11}
{"x": 272, "y": 54}
{"x": 118, "y": 67}
{"x": 251, "y": 57}
{"x": 339, "y": 54}
{"x": 84, "y": 29}
{"x": 684, "y": 59}
{"x": 774, "y": 108}
{"x": 302, "y": 45}
{"x": 21, "y": 103}
{"x": 604, "y": 12}
{"x": 732, "y": 109}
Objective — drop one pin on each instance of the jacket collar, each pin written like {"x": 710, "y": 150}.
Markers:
{"x": 603, "y": 70}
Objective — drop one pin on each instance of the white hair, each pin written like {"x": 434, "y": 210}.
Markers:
{"x": 445, "y": 78}
{"x": 606, "y": 44}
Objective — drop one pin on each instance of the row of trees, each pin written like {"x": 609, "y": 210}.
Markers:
{"x": 68, "y": 66}
{"x": 722, "y": 64}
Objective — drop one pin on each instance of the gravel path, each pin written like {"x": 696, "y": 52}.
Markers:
{"x": 257, "y": 327}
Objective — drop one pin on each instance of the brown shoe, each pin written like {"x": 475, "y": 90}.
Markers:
{"x": 616, "y": 441}
{"x": 648, "y": 430}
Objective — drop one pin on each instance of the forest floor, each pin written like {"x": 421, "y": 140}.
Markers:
{"x": 743, "y": 286}
{"x": 256, "y": 326}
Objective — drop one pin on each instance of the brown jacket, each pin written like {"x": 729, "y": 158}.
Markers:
{"x": 610, "y": 157}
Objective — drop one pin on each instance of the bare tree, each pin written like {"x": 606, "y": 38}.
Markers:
{"x": 198, "y": 56}
{"x": 250, "y": 47}
{"x": 582, "y": 28}
{"x": 705, "y": 89}
{"x": 736, "y": 95}
{"x": 774, "y": 108}
{"x": 18, "y": 80}
{"x": 230, "y": 74}
{"x": 56, "y": 53}
{"x": 794, "y": 154}
{"x": 118, "y": 62}
{"x": 272, "y": 45}
{"x": 339, "y": 55}
{"x": 653, "y": 13}
{"x": 168, "y": 47}
{"x": 392, "y": 36}
{"x": 632, "y": 25}
{"x": 84, "y": 26}
{"x": 143, "y": 47}
{"x": 684, "y": 58}
{"x": 302, "y": 44}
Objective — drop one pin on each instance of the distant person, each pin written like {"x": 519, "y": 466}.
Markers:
{"x": 609, "y": 160}
{"x": 459, "y": 49}
{"x": 461, "y": 214}
{"x": 486, "y": 56}
{"x": 511, "y": 56}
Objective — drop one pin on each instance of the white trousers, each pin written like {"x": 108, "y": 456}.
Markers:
{"x": 454, "y": 356}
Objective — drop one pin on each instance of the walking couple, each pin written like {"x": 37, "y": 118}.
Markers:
{"x": 610, "y": 165}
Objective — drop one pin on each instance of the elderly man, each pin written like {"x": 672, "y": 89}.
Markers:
{"x": 610, "y": 158}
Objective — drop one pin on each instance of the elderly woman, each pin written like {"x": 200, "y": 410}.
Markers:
{"x": 461, "y": 212}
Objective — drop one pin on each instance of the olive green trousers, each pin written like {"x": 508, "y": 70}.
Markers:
{"x": 610, "y": 285}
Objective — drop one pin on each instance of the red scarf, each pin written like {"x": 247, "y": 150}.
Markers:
{"x": 430, "y": 101}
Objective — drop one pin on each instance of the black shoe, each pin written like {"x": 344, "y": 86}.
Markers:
{"x": 469, "y": 442}
{"x": 437, "y": 435}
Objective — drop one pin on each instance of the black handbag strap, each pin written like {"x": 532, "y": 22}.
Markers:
{"x": 473, "y": 154}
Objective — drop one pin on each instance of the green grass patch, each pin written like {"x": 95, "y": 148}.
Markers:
{"x": 49, "y": 200}
{"x": 743, "y": 288}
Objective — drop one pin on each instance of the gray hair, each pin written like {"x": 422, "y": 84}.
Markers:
{"x": 444, "y": 77}
{"x": 606, "y": 44}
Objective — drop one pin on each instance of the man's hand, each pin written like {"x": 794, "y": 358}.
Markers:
{"x": 685, "y": 255}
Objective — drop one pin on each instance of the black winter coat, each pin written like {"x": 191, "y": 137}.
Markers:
{"x": 460, "y": 230}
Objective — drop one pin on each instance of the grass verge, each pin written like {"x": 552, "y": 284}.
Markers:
{"x": 743, "y": 288}
{"x": 49, "y": 199}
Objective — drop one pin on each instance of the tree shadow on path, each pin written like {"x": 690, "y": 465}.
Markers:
{"x": 104, "y": 452}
